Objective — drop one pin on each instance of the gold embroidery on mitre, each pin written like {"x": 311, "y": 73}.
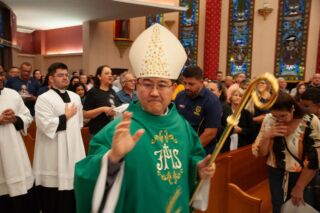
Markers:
{"x": 155, "y": 62}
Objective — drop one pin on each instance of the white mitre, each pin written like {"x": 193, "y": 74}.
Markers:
{"x": 157, "y": 53}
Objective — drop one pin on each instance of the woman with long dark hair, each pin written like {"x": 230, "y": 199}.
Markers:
{"x": 36, "y": 74}
{"x": 291, "y": 140}
{"x": 100, "y": 100}
{"x": 73, "y": 81}
{"x": 45, "y": 85}
{"x": 80, "y": 89}
{"x": 301, "y": 88}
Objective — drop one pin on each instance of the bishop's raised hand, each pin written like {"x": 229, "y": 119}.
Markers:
{"x": 123, "y": 142}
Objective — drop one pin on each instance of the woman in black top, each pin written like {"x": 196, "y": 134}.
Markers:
{"x": 100, "y": 100}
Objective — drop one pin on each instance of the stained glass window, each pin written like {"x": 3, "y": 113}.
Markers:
{"x": 150, "y": 20}
{"x": 188, "y": 30}
{"x": 240, "y": 37}
{"x": 292, "y": 39}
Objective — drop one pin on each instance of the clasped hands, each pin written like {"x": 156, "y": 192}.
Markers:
{"x": 277, "y": 130}
{"x": 7, "y": 116}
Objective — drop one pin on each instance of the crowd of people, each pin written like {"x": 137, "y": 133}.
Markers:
{"x": 288, "y": 133}
{"x": 177, "y": 122}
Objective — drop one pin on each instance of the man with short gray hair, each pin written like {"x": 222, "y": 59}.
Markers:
{"x": 128, "y": 83}
{"x": 283, "y": 84}
{"x": 315, "y": 81}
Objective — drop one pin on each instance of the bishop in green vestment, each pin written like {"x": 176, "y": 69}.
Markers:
{"x": 163, "y": 161}
{"x": 160, "y": 155}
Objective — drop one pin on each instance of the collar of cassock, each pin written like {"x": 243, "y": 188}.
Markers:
{"x": 63, "y": 94}
{"x": 165, "y": 113}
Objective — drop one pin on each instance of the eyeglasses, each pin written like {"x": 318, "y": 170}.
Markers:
{"x": 160, "y": 86}
{"x": 60, "y": 75}
{"x": 281, "y": 116}
{"x": 131, "y": 81}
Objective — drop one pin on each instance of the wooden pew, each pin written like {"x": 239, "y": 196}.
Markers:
{"x": 32, "y": 129}
{"x": 240, "y": 183}
{"x": 86, "y": 138}
{"x": 246, "y": 170}
{"x": 250, "y": 175}
{"x": 29, "y": 143}
{"x": 30, "y": 140}
{"x": 261, "y": 191}
{"x": 219, "y": 184}
{"x": 239, "y": 201}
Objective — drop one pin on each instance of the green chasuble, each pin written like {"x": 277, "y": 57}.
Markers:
{"x": 163, "y": 162}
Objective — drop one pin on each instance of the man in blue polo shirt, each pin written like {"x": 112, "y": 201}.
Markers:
{"x": 200, "y": 107}
{"x": 25, "y": 85}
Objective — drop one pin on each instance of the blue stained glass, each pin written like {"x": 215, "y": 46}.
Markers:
{"x": 188, "y": 30}
{"x": 242, "y": 10}
{"x": 240, "y": 37}
{"x": 292, "y": 40}
{"x": 292, "y": 7}
{"x": 190, "y": 17}
{"x": 150, "y": 20}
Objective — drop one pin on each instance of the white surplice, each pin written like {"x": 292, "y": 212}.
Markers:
{"x": 16, "y": 176}
{"x": 57, "y": 152}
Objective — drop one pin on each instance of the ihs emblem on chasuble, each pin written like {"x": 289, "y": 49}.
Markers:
{"x": 169, "y": 166}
